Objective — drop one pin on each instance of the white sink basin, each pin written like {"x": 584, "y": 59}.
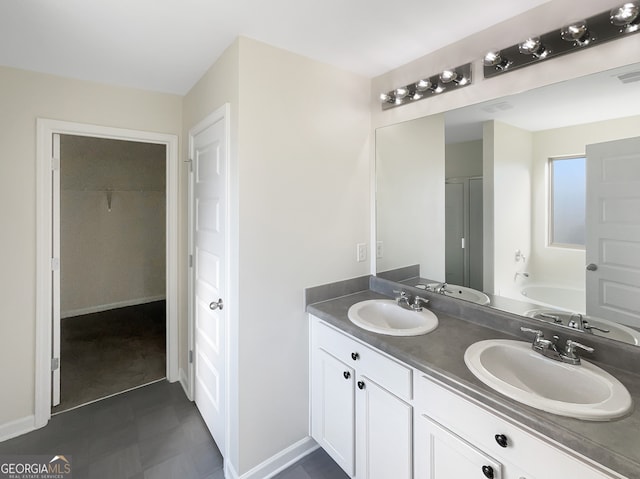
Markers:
{"x": 384, "y": 316}
{"x": 460, "y": 292}
{"x": 616, "y": 331}
{"x": 468, "y": 294}
{"x": 515, "y": 370}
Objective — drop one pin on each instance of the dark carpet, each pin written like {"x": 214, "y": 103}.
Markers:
{"x": 112, "y": 351}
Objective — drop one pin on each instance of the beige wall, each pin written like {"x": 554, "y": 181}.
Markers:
{"x": 25, "y": 96}
{"x": 463, "y": 159}
{"x": 303, "y": 155}
{"x": 111, "y": 255}
{"x": 508, "y": 184}
{"x": 563, "y": 265}
{"x": 410, "y": 195}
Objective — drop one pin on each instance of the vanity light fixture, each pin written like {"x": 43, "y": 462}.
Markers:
{"x": 448, "y": 80}
{"x": 600, "y": 28}
{"x": 627, "y": 16}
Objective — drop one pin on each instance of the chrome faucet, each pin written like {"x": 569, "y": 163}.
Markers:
{"x": 404, "y": 301}
{"x": 549, "y": 349}
{"x": 579, "y": 322}
{"x": 440, "y": 288}
{"x": 546, "y": 347}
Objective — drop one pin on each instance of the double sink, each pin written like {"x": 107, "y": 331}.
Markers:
{"x": 513, "y": 368}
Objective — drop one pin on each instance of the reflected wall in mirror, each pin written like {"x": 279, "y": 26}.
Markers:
{"x": 507, "y": 148}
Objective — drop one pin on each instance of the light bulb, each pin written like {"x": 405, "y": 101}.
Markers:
{"x": 576, "y": 32}
{"x": 533, "y": 46}
{"x": 401, "y": 92}
{"x": 423, "y": 85}
{"x": 447, "y": 76}
{"x": 626, "y": 16}
{"x": 494, "y": 59}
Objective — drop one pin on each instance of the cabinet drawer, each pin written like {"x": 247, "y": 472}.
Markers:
{"x": 385, "y": 371}
{"x": 479, "y": 427}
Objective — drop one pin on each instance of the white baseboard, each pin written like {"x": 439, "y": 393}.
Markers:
{"x": 18, "y": 427}
{"x": 106, "y": 307}
{"x": 277, "y": 462}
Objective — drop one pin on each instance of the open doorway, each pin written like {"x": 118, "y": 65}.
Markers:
{"x": 48, "y": 271}
{"x": 112, "y": 267}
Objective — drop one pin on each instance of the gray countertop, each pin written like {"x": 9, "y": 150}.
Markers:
{"x": 440, "y": 354}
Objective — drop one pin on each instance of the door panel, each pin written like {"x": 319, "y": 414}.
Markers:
{"x": 208, "y": 150}
{"x": 455, "y": 233}
{"x": 55, "y": 299}
{"x": 613, "y": 231}
{"x": 384, "y": 433}
{"x": 333, "y": 408}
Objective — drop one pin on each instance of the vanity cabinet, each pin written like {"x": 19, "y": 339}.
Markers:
{"x": 360, "y": 406}
{"x": 458, "y": 438}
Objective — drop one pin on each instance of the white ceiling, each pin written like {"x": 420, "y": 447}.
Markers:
{"x": 597, "y": 97}
{"x": 166, "y": 45}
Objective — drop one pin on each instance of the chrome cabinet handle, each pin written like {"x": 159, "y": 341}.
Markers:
{"x": 592, "y": 267}
{"x": 216, "y": 304}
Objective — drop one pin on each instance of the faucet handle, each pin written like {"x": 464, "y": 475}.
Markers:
{"x": 418, "y": 302}
{"x": 572, "y": 345}
{"x": 539, "y": 334}
{"x": 570, "y": 355}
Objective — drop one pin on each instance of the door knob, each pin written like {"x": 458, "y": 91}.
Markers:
{"x": 216, "y": 304}
{"x": 592, "y": 267}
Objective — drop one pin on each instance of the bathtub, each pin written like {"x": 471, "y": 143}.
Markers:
{"x": 556, "y": 296}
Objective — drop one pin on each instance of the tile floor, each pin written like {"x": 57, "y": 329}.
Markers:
{"x": 153, "y": 432}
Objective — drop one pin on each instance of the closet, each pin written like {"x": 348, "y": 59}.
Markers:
{"x": 112, "y": 267}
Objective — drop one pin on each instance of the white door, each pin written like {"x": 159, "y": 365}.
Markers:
{"x": 613, "y": 231}
{"x": 55, "y": 272}
{"x": 384, "y": 432}
{"x": 455, "y": 199}
{"x": 208, "y": 151}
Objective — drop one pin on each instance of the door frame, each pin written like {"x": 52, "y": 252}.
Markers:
{"x": 46, "y": 229}
{"x": 221, "y": 114}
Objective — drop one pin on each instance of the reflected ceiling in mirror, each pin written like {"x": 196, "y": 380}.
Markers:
{"x": 505, "y": 146}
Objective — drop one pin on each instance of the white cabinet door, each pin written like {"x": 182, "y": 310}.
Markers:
{"x": 333, "y": 408}
{"x": 384, "y": 433}
{"x": 440, "y": 454}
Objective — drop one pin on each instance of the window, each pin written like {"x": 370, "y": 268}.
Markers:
{"x": 567, "y": 196}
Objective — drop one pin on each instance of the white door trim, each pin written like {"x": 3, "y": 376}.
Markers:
{"x": 222, "y": 113}
{"x": 44, "y": 236}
